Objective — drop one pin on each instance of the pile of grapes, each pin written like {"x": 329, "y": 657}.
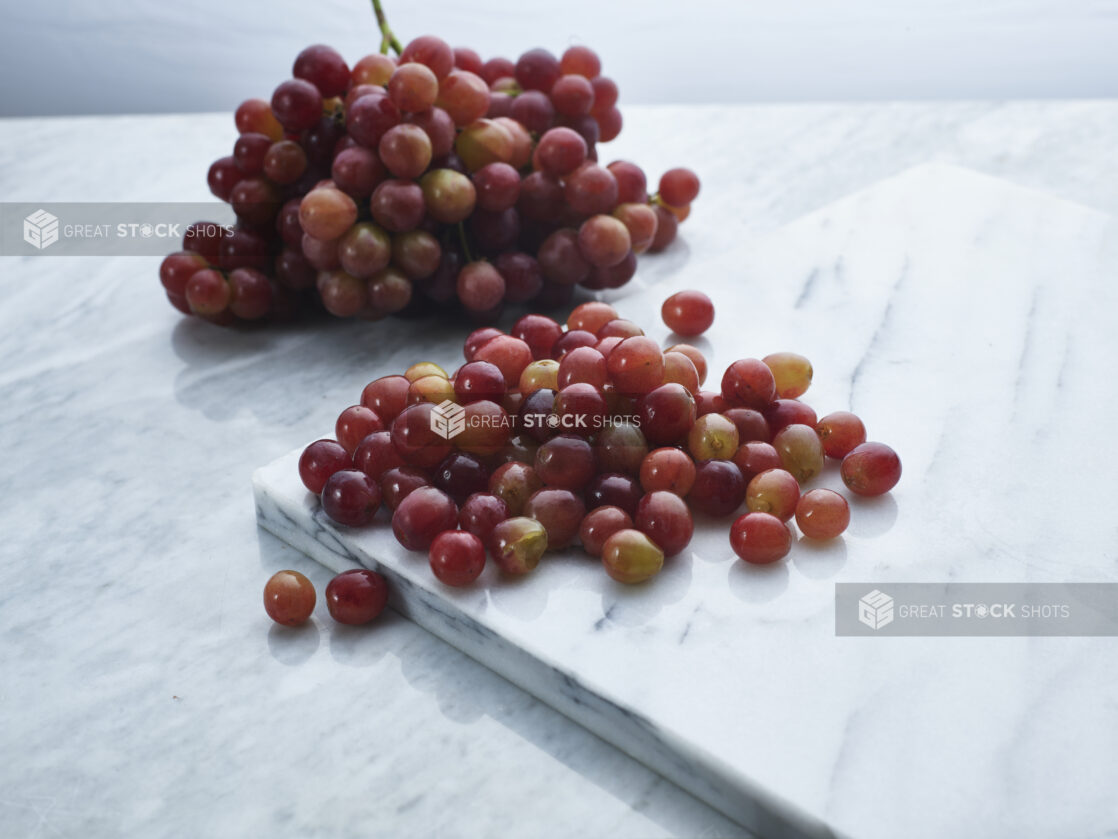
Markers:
{"x": 417, "y": 182}
{"x": 592, "y": 433}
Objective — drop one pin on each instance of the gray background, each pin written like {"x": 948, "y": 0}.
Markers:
{"x": 124, "y": 56}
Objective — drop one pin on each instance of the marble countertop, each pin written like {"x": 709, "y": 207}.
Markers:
{"x": 142, "y": 688}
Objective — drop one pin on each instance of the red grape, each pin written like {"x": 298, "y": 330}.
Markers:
{"x": 421, "y": 516}
{"x": 760, "y": 538}
{"x": 457, "y": 557}
{"x": 289, "y": 598}
{"x": 356, "y": 597}
{"x": 350, "y": 497}
{"x": 871, "y": 469}
{"x": 822, "y": 514}
{"x": 664, "y": 518}
{"x": 688, "y": 313}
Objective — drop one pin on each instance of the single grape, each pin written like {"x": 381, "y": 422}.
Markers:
{"x": 252, "y": 294}
{"x": 350, "y": 497}
{"x": 565, "y": 461}
{"x": 479, "y": 380}
{"x": 497, "y": 185}
{"x": 591, "y": 189}
{"x": 603, "y": 241}
{"x": 413, "y": 87}
{"x": 289, "y": 598}
{"x": 464, "y": 96}
{"x": 605, "y": 94}
{"x": 457, "y": 557}
{"x": 540, "y": 374}
{"x": 518, "y": 543}
{"x": 356, "y": 597}
{"x": 664, "y": 518}
{"x": 514, "y": 483}
{"x": 364, "y": 250}
{"x": 560, "y": 512}
{"x": 297, "y": 105}
{"x": 417, "y": 253}
{"x": 631, "y": 557}
{"x": 406, "y": 150}
{"x": 719, "y": 488}
{"x": 476, "y": 339}
{"x": 386, "y": 396}
{"x": 255, "y": 116}
{"x": 679, "y": 369}
{"x": 540, "y": 333}
{"x": 433, "y": 389}
{"x": 621, "y": 328}
{"x": 713, "y": 437}
{"x": 800, "y": 451}
{"x": 748, "y": 383}
{"x": 440, "y": 130}
{"x": 481, "y": 512}
{"x": 375, "y": 455}
{"x": 327, "y": 213}
{"x": 572, "y": 339}
{"x": 688, "y": 313}
{"x": 533, "y": 110}
{"x": 632, "y": 185}
{"x": 591, "y": 316}
{"x": 667, "y": 413}
{"x": 399, "y": 482}
{"x": 421, "y": 369}
{"x": 822, "y": 514}
{"x": 582, "y": 365}
{"x": 620, "y": 447}
{"x": 207, "y": 292}
{"x": 434, "y": 52}
{"x": 840, "y": 433}
{"x": 755, "y": 457}
{"x": 353, "y": 425}
{"x": 615, "y": 490}
{"x": 641, "y": 222}
{"x": 342, "y": 295}
{"x": 599, "y": 524}
{"x": 488, "y": 428}
{"x": 323, "y": 67}
{"x": 791, "y": 372}
{"x": 450, "y": 196}
{"x": 760, "y": 538}
{"x": 572, "y": 95}
{"x": 256, "y": 201}
{"x": 667, "y": 227}
{"x": 871, "y": 469}
{"x": 285, "y": 162}
{"x": 561, "y": 259}
{"x": 560, "y": 151}
{"x": 523, "y": 277}
{"x": 774, "y": 491}
{"x": 369, "y": 117}
{"x": 319, "y": 461}
{"x": 636, "y": 365}
{"x": 782, "y": 413}
{"x": 224, "y": 174}
{"x": 679, "y": 187}
{"x": 374, "y": 69}
{"x": 398, "y": 205}
{"x": 467, "y": 59}
{"x": 509, "y": 354}
{"x": 249, "y": 152}
{"x": 497, "y": 68}
{"x": 667, "y": 469}
{"x": 541, "y": 198}
{"x": 421, "y": 516}
{"x": 480, "y": 286}
{"x": 415, "y": 439}
{"x": 537, "y": 69}
{"x": 609, "y": 124}
{"x": 751, "y": 424}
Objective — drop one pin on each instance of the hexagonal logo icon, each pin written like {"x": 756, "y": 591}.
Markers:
{"x": 40, "y": 229}
{"x": 875, "y": 609}
{"x": 448, "y": 419}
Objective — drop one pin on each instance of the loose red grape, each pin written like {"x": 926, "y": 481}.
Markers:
{"x": 591, "y": 189}
{"x": 760, "y": 538}
{"x": 616, "y": 490}
{"x": 319, "y": 461}
{"x": 414, "y": 438}
{"x": 421, "y": 516}
{"x": 350, "y": 497}
{"x": 667, "y": 469}
{"x": 565, "y": 461}
{"x": 755, "y": 457}
{"x": 354, "y": 424}
{"x": 356, "y": 597}
{"x": 713, "y": 437}
{"x": 457, "y": 557}
{"x": 667, "y": 412}
{"x": 481, "y": 512}
{"x": 636, "y": 365}
{"x": 464, "y": 96}
{"x": 289, "y": 598}
{"x": 461, "y": 475}
{"x": 781, "y": 413}
{"x": 413, "y": 87}
{"x": 386, "y": 396}
{"x": 840, "y": 433}
{"x": 375, "y": 69}
{"x": 255, "y": 115}
{"x": 517, "y": 544}
{"x": 719, "y": 488}
{"x": 599, "y": 524}
{"x": 399, "y": 482}
{"x": 434, "y": 52}
{"x": 800, "y": 451}
{"x": 514, "y": 483}
{"x": 297, "y": 105}
{"x": 560, "y": 511}
{"x": 591, "y": 316}
{"x": 510, "y": 355}
{"x": 376, "y": 454}
{"x": 688, "y": 313}
{"x": 603, "y": 241}
{"x": 665, "y": 519}
{"x": 748, "y": 383}
{"x": 537, "y": 69}
{"x": 871, "y": 469}
{"x": 773, "y": 491}
{"x": 620, "y": 447}
{"x": 822, "y": 514}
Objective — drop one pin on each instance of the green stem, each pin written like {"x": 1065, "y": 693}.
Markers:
{"x": 387, "y": 39}
{"x": 465, "y": 244}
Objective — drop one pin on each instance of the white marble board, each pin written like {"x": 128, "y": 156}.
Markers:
{"x": 969, "y": 322}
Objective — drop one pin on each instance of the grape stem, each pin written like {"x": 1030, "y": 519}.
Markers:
{"x": 465, "y": 244}
{"x": 387, "y": 38}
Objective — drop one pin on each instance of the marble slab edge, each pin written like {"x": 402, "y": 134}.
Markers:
{"x": 296, "y": 519}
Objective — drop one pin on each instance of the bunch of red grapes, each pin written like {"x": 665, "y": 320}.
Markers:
{"x": 416, "y": 182}
{"x": 592, "y": 433}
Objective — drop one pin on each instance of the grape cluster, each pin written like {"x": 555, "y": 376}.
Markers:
{"x": 592, "y": 433}
{"x": 427, "y": 180}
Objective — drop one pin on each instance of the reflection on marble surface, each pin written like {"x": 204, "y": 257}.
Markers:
{"x": 946, "y": 308}
{"x": 141, "y": 687}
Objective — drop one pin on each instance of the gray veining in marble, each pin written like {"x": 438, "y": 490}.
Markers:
{"x": 141, "y": 685}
